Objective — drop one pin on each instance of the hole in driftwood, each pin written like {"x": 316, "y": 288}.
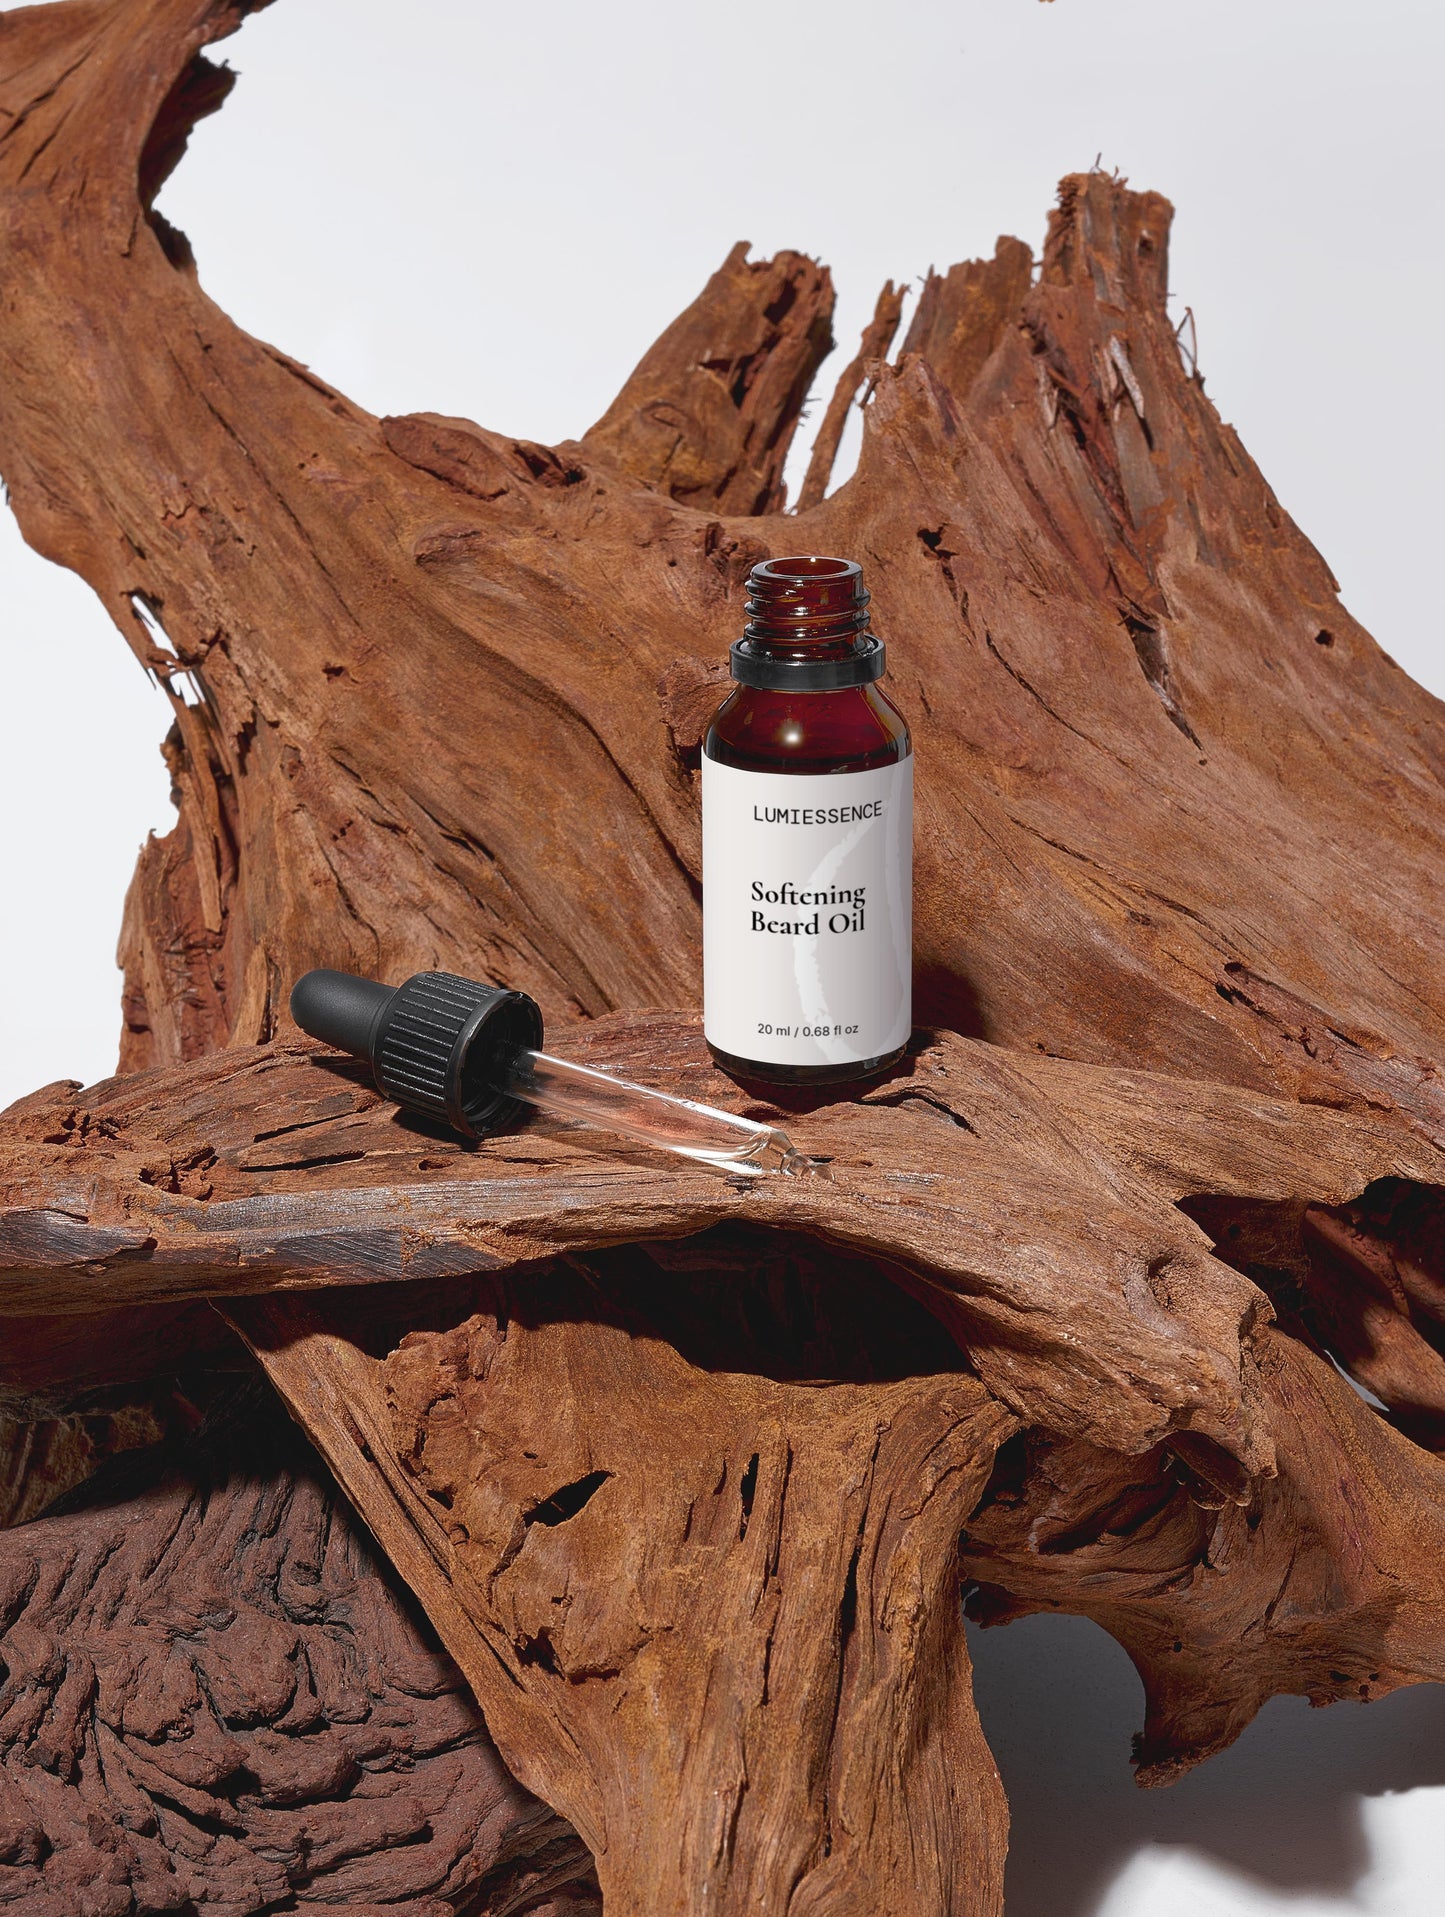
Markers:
{"x": 747, "y": 1490}
{"x": 1363, "y": 1284}
{"x": 538, "y": 1651}
{"x": 569, "y": 1500}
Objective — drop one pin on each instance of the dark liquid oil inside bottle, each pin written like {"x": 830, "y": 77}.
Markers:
{"x": 807, "y": 609}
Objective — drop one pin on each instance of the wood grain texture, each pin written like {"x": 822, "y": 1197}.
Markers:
{"x": 711, "y": 1615}
{"x": 1324, "y": 1582}
{"x": 1066, "y": 1307}
{"x": 861, "y": 370}
{"x": 708, "y": 414}
{"x": 214, "y": 1698}
{"x": 1031, "y": 1201}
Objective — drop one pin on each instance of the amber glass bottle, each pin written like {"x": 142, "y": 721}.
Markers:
{"x": 807, "y": 803}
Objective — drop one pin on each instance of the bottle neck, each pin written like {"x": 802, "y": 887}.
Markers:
{"x": 806, "y": 608}
{"x": 807, "y": 628}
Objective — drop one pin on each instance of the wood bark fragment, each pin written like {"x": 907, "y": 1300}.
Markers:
{"x": 962, "y": 315}
{"x": 873, "y": 348}
{"x": 708, "y": 415}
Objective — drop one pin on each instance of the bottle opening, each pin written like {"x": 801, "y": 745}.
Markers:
{"x": 807, "y": 569}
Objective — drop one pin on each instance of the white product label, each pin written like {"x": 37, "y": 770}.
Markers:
{"x": 807, "y": 913}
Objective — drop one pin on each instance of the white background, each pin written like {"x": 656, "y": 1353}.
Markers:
{"x": 487, "y": 212}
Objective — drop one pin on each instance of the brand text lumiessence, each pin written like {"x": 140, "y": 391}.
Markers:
{"x": 817, "y": 814}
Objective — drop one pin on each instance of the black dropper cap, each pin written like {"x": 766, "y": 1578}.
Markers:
{"x": 436, "y": 1044}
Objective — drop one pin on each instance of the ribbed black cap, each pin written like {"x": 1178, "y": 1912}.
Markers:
{"x": 432, "y": 1043}
{"x": 751, "y": 666}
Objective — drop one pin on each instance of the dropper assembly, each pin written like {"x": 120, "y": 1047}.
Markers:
{"x": 467, "y": 1053}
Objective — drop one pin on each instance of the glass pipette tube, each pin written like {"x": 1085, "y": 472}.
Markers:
{"x": 654, "y": 1118}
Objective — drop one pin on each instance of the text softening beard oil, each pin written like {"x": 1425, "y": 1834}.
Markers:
{"x": 807, "y": 839}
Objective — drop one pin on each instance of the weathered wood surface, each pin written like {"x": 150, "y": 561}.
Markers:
{"x": 47, "y": 1450}
{"x": 1150, "y": 1414}
{"x": 213, "y": 1697}
{"x": 1031, "y": 1200}
{"x": 1326, "y": 1582}
{"x": 77, "y": 1391}
{"x": 1085, "y": 1264}
{"x": 711, "y": 1613}
{"x": 1176, "y": 808}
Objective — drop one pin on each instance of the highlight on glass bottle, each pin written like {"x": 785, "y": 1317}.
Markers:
{"x": 464, "y": 1052}
{"x": 807, "y": 802}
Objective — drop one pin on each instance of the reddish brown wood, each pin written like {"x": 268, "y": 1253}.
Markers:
{"x": 1032, "y": 1201}
{"x": 41, "y": 1457}
{"x": 711, "y": 1613}
{"x": 1173, "y": 1146}
{"x": 708, "y": 414}
{"x": 213, "y": 1697}
{"x": 1325, "y": 1582}
{"x": 872, "y": 350}
{"x": 965, "y": 314}
{"x": 1044, "y": 1213}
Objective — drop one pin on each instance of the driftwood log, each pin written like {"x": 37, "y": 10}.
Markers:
{"x": 1124, "y": 1296}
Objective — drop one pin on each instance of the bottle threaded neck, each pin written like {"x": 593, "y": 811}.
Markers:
{"x": 806, "y": 603}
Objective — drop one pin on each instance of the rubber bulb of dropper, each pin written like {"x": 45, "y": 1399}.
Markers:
{"x": 340, "y": 1010}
